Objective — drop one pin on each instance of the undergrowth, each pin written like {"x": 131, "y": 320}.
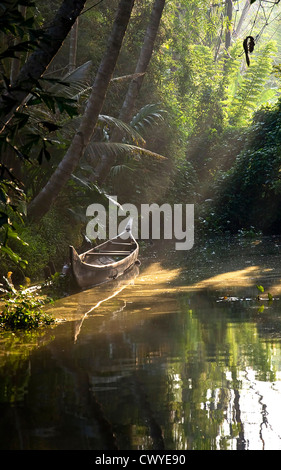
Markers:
{"x": 22, "y": 309}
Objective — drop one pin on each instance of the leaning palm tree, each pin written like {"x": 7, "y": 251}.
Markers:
{"x": 57, "y": 129}
{"x": 43, "y": 201}
{"x": 127, "y": 109}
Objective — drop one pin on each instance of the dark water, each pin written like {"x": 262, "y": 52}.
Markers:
{"x": 180, "y": 355}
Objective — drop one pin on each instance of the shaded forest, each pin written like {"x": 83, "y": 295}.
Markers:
{"x": 152, "y": 101}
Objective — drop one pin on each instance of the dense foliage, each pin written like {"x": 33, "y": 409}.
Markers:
{"x": 214, "y": 119}
{"x": 248, "y": 194}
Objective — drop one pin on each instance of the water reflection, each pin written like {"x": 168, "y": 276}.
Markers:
{"x": 159, "y": 360}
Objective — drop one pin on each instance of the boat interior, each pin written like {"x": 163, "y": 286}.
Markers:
{"x": 109, "y": 251}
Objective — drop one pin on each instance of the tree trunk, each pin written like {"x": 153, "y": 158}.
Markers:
{"x": 38, "y": 62}
{"x": 229, "y": 11}
{"x": 73, "y": 47}
{"x": 15, "y": 63}
{"x": 236, "y": 31}
{"x": 127, "y": 109}
{"x": 242, "y": 18}
{"x": 43, "y": 201}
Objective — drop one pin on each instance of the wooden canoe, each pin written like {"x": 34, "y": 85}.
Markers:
{"x": 106, "y": 261}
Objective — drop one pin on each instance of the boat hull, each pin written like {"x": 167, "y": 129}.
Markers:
{"x": 105, "y": 268}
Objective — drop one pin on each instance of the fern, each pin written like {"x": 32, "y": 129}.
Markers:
{"x": 231, "y": 77}
{"x": 251, "y": 87}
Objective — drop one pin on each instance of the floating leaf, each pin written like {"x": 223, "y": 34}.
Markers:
{"x": 270, "y": 297}
{"x": 260, "y": 288}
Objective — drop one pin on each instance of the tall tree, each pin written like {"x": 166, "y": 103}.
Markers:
{"x": 39, "y": 60}
{"x": 229, "y": 11}
{"x": 244, "y": 13}
{"x": 73, "y": 46}
{"x": 15, "y": 63}
{"x": 43, "y": 201}
{"x": 127, "y": 109}
{"x": 146, "y": 52}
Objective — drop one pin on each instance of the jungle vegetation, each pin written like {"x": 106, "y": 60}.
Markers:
{"x": 152, "y": 101}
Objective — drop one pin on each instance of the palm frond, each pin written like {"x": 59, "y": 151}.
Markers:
{"x": 71, "y": 125}
{"x": 122, "y": 126}
{"x": 118, "y": 170}
{"x": 132, "y": 76}
{"x": 148, "y": 115}
{"x": 74, "y": 84}
{"x": 81, "y": 73}
{"x": 117, "y": 149}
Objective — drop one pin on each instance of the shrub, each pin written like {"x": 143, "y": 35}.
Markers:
{"x": 23, "y": 310}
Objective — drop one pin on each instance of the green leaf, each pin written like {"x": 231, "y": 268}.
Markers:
{"x": 260, "y": 288}
{"x": 3, "y": 218}
{"x": 270, "y": 297}
{"x": 43, "y": 153}
{"x": 13, "y": 256}
{"x": 21, "y": 119}
{"x": 20, "y": 47}
{"x": 67, "y": 105}
{"x": 11, "y": 233}
{"x": 50, "y": 126}
{"x": 49, "y": 101}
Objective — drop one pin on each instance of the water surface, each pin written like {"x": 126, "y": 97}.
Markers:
{"x": 179, "y": 355}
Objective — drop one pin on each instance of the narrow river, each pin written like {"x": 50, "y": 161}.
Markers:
{"x": 181, "y": 354}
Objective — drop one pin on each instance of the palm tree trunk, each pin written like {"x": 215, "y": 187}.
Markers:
{"x": 127, "y": 109}
{"x": 38, "y": 62}
{"x": 43, "y": 201}
{"x": 73, "y": 47}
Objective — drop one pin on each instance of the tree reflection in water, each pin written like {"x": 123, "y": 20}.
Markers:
{"x": 162, "y": 365}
